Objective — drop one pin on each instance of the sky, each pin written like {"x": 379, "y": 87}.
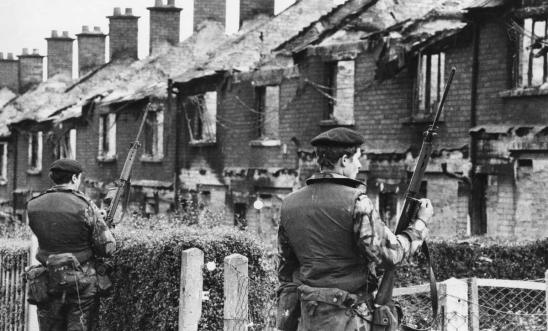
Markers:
{"x": 26, "y": 23}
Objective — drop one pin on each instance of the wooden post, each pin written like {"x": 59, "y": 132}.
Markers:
{"x": 546, "y": 284}
{"x": 236, "y": 293}
{"x": 473, "y": 301}
{"x": 454, "y": 302}
{"x": 190, "y": 294}
{"x": 32, "y": 315}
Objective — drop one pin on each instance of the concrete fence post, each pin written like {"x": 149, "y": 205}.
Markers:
{"x": 32, "y": 314}
{"x": 236, "y": 284}
{"x": 190, "y": 294}
{"x": 473, "y": 301}
{"x": 454, "y": 304}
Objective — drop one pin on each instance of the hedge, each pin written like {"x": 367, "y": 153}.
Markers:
{"x": 13, "y": 253}
{"x": 147, "y": 277}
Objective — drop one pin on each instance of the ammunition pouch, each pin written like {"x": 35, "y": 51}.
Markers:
{"x": 67, "y": 276}
{"x": 387, "y": 317}
{"x": 37, "y": 280}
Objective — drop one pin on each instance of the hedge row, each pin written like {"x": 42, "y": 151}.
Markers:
{"x": 147, "y": 277}
{"x": 13, "y": 256}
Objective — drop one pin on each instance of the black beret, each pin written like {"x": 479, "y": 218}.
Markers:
{"x": 67, "y": 165}
{"x": 338, "y": 137}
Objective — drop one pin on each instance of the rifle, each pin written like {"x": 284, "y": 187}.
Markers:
{"x": 410, "y": 209}
{"x": 122, "y": 184}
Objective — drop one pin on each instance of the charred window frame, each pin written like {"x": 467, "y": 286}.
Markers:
{"x": 3, "y": 163}
{"x": 65, "y": 146}
{"x": 267, "y": 105}
{"x": 330, "y": 82}
{"x": 430, "y": 80}
{"x": 107, "y": 136}
{"x": 388, "y": 207}
{"x": 531, "y": 67}
{"x": 153, "y": 143}
{"x": 201, "y": 117}
{"x": 35, "y": 151}
{"x": 240, "y": 214}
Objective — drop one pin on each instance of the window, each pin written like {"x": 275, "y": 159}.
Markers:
{"x": 201, "y": 115}
{"x": 65, "y": 146}
{"x": 240, "y": 211}
{"x": 533, "y": 59}
{"x": 388, "y": 208}
{"x": 107, "y": 137}
{"x": 267, "y": 103}
{"x": 340, "y": 92}
{"x": 153, "y": 147}
{"x": 431, "y": 77}
{"x": 35, "y": 151}
{"x": 3, "y": 163}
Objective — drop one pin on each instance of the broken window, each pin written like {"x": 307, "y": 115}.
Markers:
{"x": 430, "y": 78}
{"x": 3, "y": 162}
{"x": 201, "y": 115}
{"x": 339, "y": 91}
{"x": 35, "y": 150}
{"x": 388, "y": 208}
{"x": 107, "y": 136}
{"x": 267, "y": 103}
{"x": 240, "y": 211}
{"x": 533, "y": 59}
{"x": 153, "y": 146}
{"x": 65, "y": 146}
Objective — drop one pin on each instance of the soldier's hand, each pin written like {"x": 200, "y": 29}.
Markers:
{"x": 425, "y": 211}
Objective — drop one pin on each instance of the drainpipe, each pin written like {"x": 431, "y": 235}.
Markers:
{"x": 474, "y": 95}
{"x": 14, "y": 188}
{"x": 177, "y": 141}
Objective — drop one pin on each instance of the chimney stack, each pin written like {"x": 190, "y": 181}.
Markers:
{"x": 31, "y": 68}
{"x": 123, "y": 34}
{"x": 231, "y": 13}
{"x": 91, "y": 49}
{"x": 59, "y": 54}
{"x": 165, "y": 24}
{"x": 9, "y": 72}
{"x": 252, "y": 8}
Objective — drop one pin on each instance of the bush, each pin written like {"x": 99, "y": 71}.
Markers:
{"x": 13, "y": 256}
{"x": 147, "y": 276}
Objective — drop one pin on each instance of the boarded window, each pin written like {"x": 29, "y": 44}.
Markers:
{"x": 35, "y": 150}
{"x": 3, "y": 161}
{"x": 65, "y": 146}
{"x": 533, "y": 57}
{"x": 340, "y": 87}
{"x": 267, "y": 100}
{"x": 431, "y": 77}
{"x": 201, "y": 115}
{"x": 153, "y": 134}
{"x": 107, "y": 135}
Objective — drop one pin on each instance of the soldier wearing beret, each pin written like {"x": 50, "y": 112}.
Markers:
{"x": 331, "y": 239}
{"x": 68, "y": 223}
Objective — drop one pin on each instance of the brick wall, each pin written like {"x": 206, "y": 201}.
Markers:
{"x": 214, "y": 10}
{"x": 59, "y": 56}
{"x": 31, "y": 68}
{"x": 9, "y": 74}
{"x": 165, "y": 25}
{"x": 6, "y": 191}
{"x": 91, "y": 51}
{"x": 251, "y": 8}
{"x": 123, "y": 33}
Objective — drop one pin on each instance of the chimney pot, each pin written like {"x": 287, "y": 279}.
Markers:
{"x": 85, "y": 28}
{"x": 25, "y": 51}
{"x": 97, "y": 29}
{"x": 10, "y": 56}
{"x": 35, "y": 51}
{"x": 117, "y": 11}
{"x": 171, "y": 3}
{"x": 158, "y": 3}
{"x": 54, "y": 34}
{"x": 1, "y": 56}
{"x": 129, "y": 12}
{"x": 65, "y": 34}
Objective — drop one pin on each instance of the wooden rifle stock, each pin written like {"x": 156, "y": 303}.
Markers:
{"x": 410, "y": 208}
{"x": 123, "y": 182}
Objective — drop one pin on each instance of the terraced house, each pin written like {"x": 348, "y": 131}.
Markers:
{"x": 235, "y": 106}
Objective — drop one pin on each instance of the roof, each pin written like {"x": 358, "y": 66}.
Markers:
{"x": 6, "y": 95}
{"x": 355, "y": 19}
{"x": 251, "y": 47}
{"x": 510, "y": 129}
{"x": 478, "y": 4}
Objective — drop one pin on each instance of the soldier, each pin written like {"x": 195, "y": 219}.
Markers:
{"x": 330, "y": 240}
{"x": 69, "y": 228}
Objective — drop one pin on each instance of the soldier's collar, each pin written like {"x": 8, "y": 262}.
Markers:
{"x": 333, "y": 177}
